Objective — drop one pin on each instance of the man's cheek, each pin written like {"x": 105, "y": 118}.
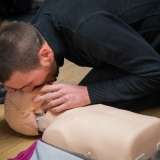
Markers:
{"x": 37, "y": 90}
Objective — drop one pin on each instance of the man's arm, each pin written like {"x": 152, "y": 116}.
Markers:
{"x": 107, "y": 38}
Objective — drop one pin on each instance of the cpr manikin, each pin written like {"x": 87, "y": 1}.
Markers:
{"x": 98, "y": 132}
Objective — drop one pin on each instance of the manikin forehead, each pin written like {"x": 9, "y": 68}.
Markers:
{"x": 24, "y": 102}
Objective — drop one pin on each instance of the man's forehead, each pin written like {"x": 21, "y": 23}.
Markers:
{"x": 19, "y": 80}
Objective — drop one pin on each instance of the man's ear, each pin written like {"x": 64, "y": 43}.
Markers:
{"x": 45, "y": 55}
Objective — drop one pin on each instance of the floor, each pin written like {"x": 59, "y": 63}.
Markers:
{"x": 11, "y": 143}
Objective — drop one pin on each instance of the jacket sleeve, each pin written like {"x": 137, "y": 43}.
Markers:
{"x": 107, "y": 38}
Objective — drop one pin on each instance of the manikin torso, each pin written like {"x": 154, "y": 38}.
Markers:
{"x": 96, "y": 131}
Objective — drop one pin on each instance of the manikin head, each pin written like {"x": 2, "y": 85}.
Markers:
{"x": 26, "y": 59}
{"x": 22, "y": 114}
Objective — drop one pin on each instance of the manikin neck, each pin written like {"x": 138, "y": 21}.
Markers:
{"x": 39, "y": 119}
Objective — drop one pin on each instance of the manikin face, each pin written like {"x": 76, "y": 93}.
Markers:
{"x": 22, "y": 114}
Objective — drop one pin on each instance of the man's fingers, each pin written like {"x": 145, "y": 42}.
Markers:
{"x": 51, "y": 88}
{"x": 59, "y": 108}
{"x": 54, "y": 103}
{"x": 48, "y": 96}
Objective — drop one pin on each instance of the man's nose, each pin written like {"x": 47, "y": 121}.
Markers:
{"x": 27, "y": 89}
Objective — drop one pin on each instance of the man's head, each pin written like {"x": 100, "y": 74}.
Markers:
{"x": 26, "y": 59}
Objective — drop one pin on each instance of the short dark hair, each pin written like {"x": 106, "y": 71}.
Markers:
{"x": 19, "y": 46}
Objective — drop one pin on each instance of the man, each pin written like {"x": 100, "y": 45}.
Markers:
{"x": 119, "y": 39}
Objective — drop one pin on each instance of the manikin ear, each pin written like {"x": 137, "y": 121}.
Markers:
{"x": 45, "y": 55}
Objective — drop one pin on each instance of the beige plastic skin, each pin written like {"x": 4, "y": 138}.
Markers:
{"x": 19, "y": 111}
{"x": 104, "y": 132}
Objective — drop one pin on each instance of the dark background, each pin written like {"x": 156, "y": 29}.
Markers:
{"x": 18, "y": 10}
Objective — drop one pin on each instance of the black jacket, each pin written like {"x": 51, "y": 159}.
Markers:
{"x": 95, "y": 32}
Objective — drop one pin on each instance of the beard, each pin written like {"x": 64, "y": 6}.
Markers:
{"x": 53, "y": 72}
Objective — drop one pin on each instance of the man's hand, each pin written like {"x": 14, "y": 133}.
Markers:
{"x": 59, "y": 97}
